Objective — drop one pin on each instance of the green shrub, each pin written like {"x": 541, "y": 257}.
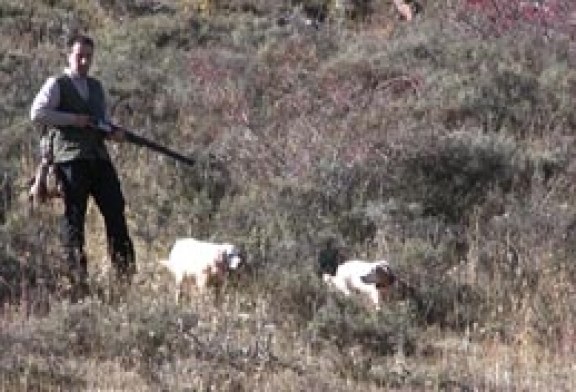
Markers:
{"x": 347, "y": 322}
{"x": 451, "y": 176}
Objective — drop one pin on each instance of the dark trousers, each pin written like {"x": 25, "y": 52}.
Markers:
{"x": 97, "y": 178}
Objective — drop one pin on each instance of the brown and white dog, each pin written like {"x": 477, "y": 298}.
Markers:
{"x": 370, "y": 278}
{"x": 201, "y": 262}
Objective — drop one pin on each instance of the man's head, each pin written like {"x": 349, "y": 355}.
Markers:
{"x": 80, "y": 52}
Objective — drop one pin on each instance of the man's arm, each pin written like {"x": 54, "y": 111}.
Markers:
{"x": 117, "y": 132}
{"x": 44, "y": 108}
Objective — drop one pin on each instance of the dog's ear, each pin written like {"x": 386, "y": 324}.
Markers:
{"x": 243, "y": 255}
{"x": 386, "y": 277}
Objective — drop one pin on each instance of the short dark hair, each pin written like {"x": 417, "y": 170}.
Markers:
{"x": 80, "y": 38}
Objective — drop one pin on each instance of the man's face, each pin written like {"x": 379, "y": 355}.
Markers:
{"x": 80, "y": 58}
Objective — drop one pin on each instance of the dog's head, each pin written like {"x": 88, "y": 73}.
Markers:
{"x": 232, "y": 256}
{"x": 381, "y": 276}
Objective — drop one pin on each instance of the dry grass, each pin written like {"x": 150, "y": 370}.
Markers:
{"x": 444, "y": 145}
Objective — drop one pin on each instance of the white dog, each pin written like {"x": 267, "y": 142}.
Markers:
{"x": 370, "y": 278}
{"x": 204, "y": 263}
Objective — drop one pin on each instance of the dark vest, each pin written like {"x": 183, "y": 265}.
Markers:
{"x": 70, "y": 142}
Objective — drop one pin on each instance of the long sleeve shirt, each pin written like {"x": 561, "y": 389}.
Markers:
{"x": 57, "y": 105}
{"x": 44, "y": 107}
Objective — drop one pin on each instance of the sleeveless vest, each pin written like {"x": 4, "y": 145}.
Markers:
{"x": 69, "y": 142}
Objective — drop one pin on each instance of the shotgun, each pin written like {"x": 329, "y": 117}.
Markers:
{"x": 141, "y": 141}
{"x": 45, "y": 185}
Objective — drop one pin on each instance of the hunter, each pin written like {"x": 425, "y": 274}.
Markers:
{"x": 73, "y": 105}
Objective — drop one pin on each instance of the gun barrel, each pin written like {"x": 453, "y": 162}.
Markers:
{"x": 138, "y": 140}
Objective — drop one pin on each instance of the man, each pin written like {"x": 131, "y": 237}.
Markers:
{"x": 73, "y": 103}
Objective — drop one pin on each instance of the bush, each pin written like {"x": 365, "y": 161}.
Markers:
{"x": 346, "y": 322}
{"x": 452, "y": 176}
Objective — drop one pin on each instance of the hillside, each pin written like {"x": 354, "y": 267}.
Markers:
{"x": 444, "y": 145}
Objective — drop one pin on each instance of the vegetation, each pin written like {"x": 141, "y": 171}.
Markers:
{"x": 444, "y": 145}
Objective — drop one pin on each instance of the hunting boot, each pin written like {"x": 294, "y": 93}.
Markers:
{"x": 123, "y": 261}
{"x": 77, "y": 273}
